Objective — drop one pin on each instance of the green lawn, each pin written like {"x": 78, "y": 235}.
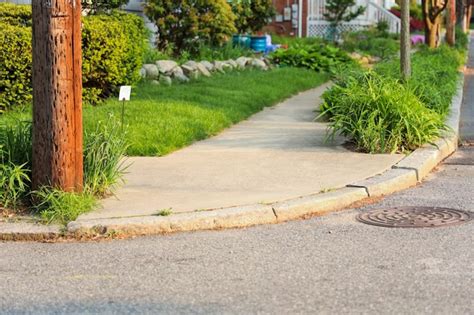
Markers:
{"x": 162, "y": 119}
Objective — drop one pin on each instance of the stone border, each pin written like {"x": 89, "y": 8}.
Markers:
{"x": 407, "y": 173}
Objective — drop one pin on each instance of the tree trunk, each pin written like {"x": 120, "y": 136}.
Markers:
{"x": 405, "y": 41}
{"x": 451, "y": 22}
{"x": 468, "y": 17}
{"x": 57, "y": 95}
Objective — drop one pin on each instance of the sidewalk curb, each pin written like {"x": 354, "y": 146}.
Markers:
{"x": 406, "y": 173}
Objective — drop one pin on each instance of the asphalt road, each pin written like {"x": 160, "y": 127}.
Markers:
{"x": 330, "y": 264}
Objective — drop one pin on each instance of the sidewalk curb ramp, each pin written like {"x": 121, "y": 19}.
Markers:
{"x": 407, "y": 173}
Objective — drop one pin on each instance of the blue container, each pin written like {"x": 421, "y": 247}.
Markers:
{"x": 241, "y": 40}
{"x": 259, "y": 43}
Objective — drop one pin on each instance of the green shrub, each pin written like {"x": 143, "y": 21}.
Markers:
{"x": 252, "y": 15}
{"x": 103, "y": 152}
{"x": 380, "y": 115}
{"x": 224, "y": 52}
{"x": 13, "y": 14}
{"x": 434, "y": 76}
{"x": 462, "y": 39}
{"x": 113, "y": 48}
{"x": 321, "y": 58}
{"x": 15, "y": 66}
{"x": 56, "y": 206}
{"x": 184, "y": 24}
{"x": 374, "y": 42}
{"x": 14, "y": 184}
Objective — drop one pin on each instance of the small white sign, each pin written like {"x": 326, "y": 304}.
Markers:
{"x": 125, "y": 91}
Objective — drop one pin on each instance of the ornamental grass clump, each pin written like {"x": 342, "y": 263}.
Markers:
{"x": 379, "y": 115}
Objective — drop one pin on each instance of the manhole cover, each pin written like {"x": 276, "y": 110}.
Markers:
{"x": 414, "y": 217}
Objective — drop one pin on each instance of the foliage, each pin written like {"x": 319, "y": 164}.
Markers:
{"x": 434, "y": 76}
{"x": 103, "y": 151}
{"x": 98, "y": 6}
{"x": 462, "y": 39}
{"x": 184, "y": 24}
{"x": 15, "y": 166}
{"x": 252, "y": 15}
{"x": 57, "y": 206}
{"x": 373, "y": 41}
{"x": 15, "y": 66}
{"x": 321, "y": 58}
{"x": 338, "y": 11}
{"x": 224, "y": 52}
{"x": 13, "y": 14}
{"x": 113, "y": 47}
{"x": 290, "y": 41}
{"x": 380, "y": 115}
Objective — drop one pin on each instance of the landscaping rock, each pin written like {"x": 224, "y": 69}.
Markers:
{"x": 219, "y": 66}
{"x": 143, "y": 72}
{"x": 191, "y": 64}
{"x": 188, "y": 69}
{"x": 232, "y": 63}
{"x": 203, "y": 70}
{"x": 364, "y": 61}
{"x": 180, "y": 77}
{"x": 165, "y": 80}
{"x": 177, "y": 71}
{"x": 209, "y": 66}
{"x": 151, "y": 71}
{"x": 155, "y": 82}
{"x": 242, "y": 62}
{"x": 355, "y": 56}
{"x": 227, "y": 66}
{"x": 166, "y": 66}
{"x": 258, "y": 63}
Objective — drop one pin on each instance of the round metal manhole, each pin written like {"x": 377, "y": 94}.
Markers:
{"x": 415, "y": 217}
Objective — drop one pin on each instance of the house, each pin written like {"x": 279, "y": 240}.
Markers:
{"x": 305, "y": 18}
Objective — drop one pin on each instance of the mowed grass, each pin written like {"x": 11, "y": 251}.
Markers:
{"x": 162, "y": 119}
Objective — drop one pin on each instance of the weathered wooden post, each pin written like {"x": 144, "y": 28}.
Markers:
{"x": 57, "y": 94}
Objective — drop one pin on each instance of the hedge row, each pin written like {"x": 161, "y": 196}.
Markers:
{"x": 112, "y": 47}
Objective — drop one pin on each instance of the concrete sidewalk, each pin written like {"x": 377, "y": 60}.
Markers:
{"x": 277, "y": 154}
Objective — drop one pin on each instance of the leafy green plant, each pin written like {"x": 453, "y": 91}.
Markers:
{"x": 339, "y": 11}
{"x": 434, "y": 76}
{"x": 252, "y": 15}
{"x": 184, "y": 24}
{"x": 380, "y": 115}
{"x": 14, "y": 184}
{"x": 104, "y": 149}
{"x": 374, "y": 42}
{"x": 112, "y": 46}
{"x": 15, "y": 66}
{"x": 57, "y": 206}
{"x": 14, "y": 14}
{"x": 321, "y": 58}
{"x": 224, "y": 52}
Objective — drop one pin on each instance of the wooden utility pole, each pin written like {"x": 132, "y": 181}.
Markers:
{"x": 57, "y": 95}
{"x": 405, "y": 40}
{"x": 451, "y": 22}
